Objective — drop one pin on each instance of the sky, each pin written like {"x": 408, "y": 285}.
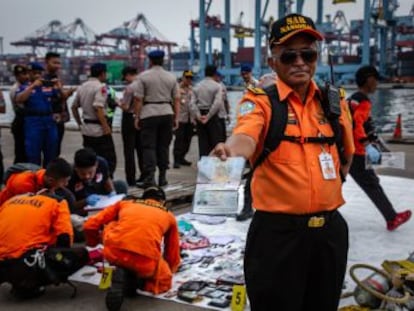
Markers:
{"x": 19, "y": 18}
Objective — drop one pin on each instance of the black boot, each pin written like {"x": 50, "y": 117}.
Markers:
{"x": 147, "y": 181}
{"x": 162, "y": 179}
{"x": 115, "y": 295}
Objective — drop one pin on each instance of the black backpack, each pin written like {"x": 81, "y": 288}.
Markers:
{"x": 277, "y": 126}
{"x": 18, "y": 168}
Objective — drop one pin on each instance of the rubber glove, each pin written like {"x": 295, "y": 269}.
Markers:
{"x": 112, "y": 193}
{"x": 92, "y": 199}
{"x": 373, "y": 154}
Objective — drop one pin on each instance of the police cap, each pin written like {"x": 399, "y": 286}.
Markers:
{"x": 35, "y": 66}
{"x": 246, "y": 68}
{"x": 156, "y": 54}
{"x": 18, "y": 69}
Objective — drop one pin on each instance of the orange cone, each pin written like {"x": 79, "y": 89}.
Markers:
{"x": 397, "y": 130}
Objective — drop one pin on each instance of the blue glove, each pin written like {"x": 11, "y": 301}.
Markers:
{"x": 111, "y": 194}
{"x": 92, "y": 199}
{"x": 373, "y": 154}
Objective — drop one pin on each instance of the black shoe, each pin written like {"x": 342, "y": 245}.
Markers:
{"x": 185, "y": 162}
{"x": 115, "y": 296}
{"x": 146, "y": 182}
{"x": 176, "y": 165}
{"x": 27, "y": 293}
{"x": 245, "y": 214}
{"x": 162, "y": 179}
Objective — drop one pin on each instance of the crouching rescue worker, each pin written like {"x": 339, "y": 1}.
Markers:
{"x": 27, "y": 177}
{"x": 132, "y": 239}
{"x": 37, "y": 252}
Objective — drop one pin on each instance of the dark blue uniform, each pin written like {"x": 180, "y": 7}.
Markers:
{"x": 39, "y": 127}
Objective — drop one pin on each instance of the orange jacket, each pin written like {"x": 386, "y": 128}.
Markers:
{"x": 28, "y": 221}
{"x": 23, "y": 182}
{"x": 361, "y": 114}
{"x": 290, "y": 180}
{"x": 137, "y": 227}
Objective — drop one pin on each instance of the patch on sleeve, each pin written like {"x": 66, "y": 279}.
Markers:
{"x": 104, "y": 91}
{"x": 246, "y": 107}
{"x": 256, "y": 90}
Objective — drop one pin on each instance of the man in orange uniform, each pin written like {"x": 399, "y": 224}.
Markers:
{"x": 297, "y": 244}
{"x": 53, "y": 177}
{"x": 35, "y": 239}
{"x": 365, "y": 138}
{"x": 132, "y": 241}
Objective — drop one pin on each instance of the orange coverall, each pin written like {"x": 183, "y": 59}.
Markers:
{"x": 133, "y": 238}
{"x": 23, "y": 182}
{"x": 29, "y": 221}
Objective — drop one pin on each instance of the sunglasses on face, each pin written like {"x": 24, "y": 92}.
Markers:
{"x": 288, "y": 57}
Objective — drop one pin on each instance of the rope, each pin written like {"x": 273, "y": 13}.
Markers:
{"x": 377, "y": 294}
{"x": 38, "y": 258}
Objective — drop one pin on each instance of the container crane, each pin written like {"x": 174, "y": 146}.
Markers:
{"x": 137, "y": 39}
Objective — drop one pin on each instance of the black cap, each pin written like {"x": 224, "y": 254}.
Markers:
{"x": 129, "y": 70}
{"x": 156, "y": 54}
{"x": 290, "y": 25}
{"x": 18, "y": 69}
{"x": 154, "y": 192}
{"x": 364, "y": 72}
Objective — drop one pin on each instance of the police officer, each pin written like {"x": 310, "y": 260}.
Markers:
{"x": 59, "y": 103}
{"x": 17, "y": 127}
{"x": 92, "y": 98}
{"x": 205, "y": 105}
{"x": 156, "y": 114}
{"x": 130, "y": 135}
{"x": 224, "y": 112}
{"x": 185, "y": 130}
{"x": 247, "y": 76}
{"x": 40, "y": 129}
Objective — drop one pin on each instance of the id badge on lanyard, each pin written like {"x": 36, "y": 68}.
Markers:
{"x": 327, "y": 165}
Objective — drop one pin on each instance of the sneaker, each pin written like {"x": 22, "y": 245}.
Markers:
{"x": 115, "y": 296}
{"x": 398, "y": 220}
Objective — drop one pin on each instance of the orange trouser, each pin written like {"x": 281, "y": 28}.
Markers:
{"x": 157, "y": 274}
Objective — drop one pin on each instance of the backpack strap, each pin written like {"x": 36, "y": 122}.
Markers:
{"x": 277, "y": 126}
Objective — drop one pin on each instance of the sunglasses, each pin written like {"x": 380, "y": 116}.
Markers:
{"x": 288, "y": 57}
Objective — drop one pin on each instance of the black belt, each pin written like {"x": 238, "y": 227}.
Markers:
{"x": 316, "y": 220}
{"x": 91, "y": 121}
{"x": 160, "y": 102}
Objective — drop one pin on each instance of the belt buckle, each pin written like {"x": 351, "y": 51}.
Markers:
{"x": 316, "y": 222}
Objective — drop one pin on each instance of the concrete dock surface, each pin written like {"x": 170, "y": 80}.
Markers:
{"x": 89, "y": 298}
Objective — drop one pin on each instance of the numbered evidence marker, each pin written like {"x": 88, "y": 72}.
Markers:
{"x": 238, "y": 299}
{"x": 106, "y": 279}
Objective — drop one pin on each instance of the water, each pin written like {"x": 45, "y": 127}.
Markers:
{"x": 388, "y": 103}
